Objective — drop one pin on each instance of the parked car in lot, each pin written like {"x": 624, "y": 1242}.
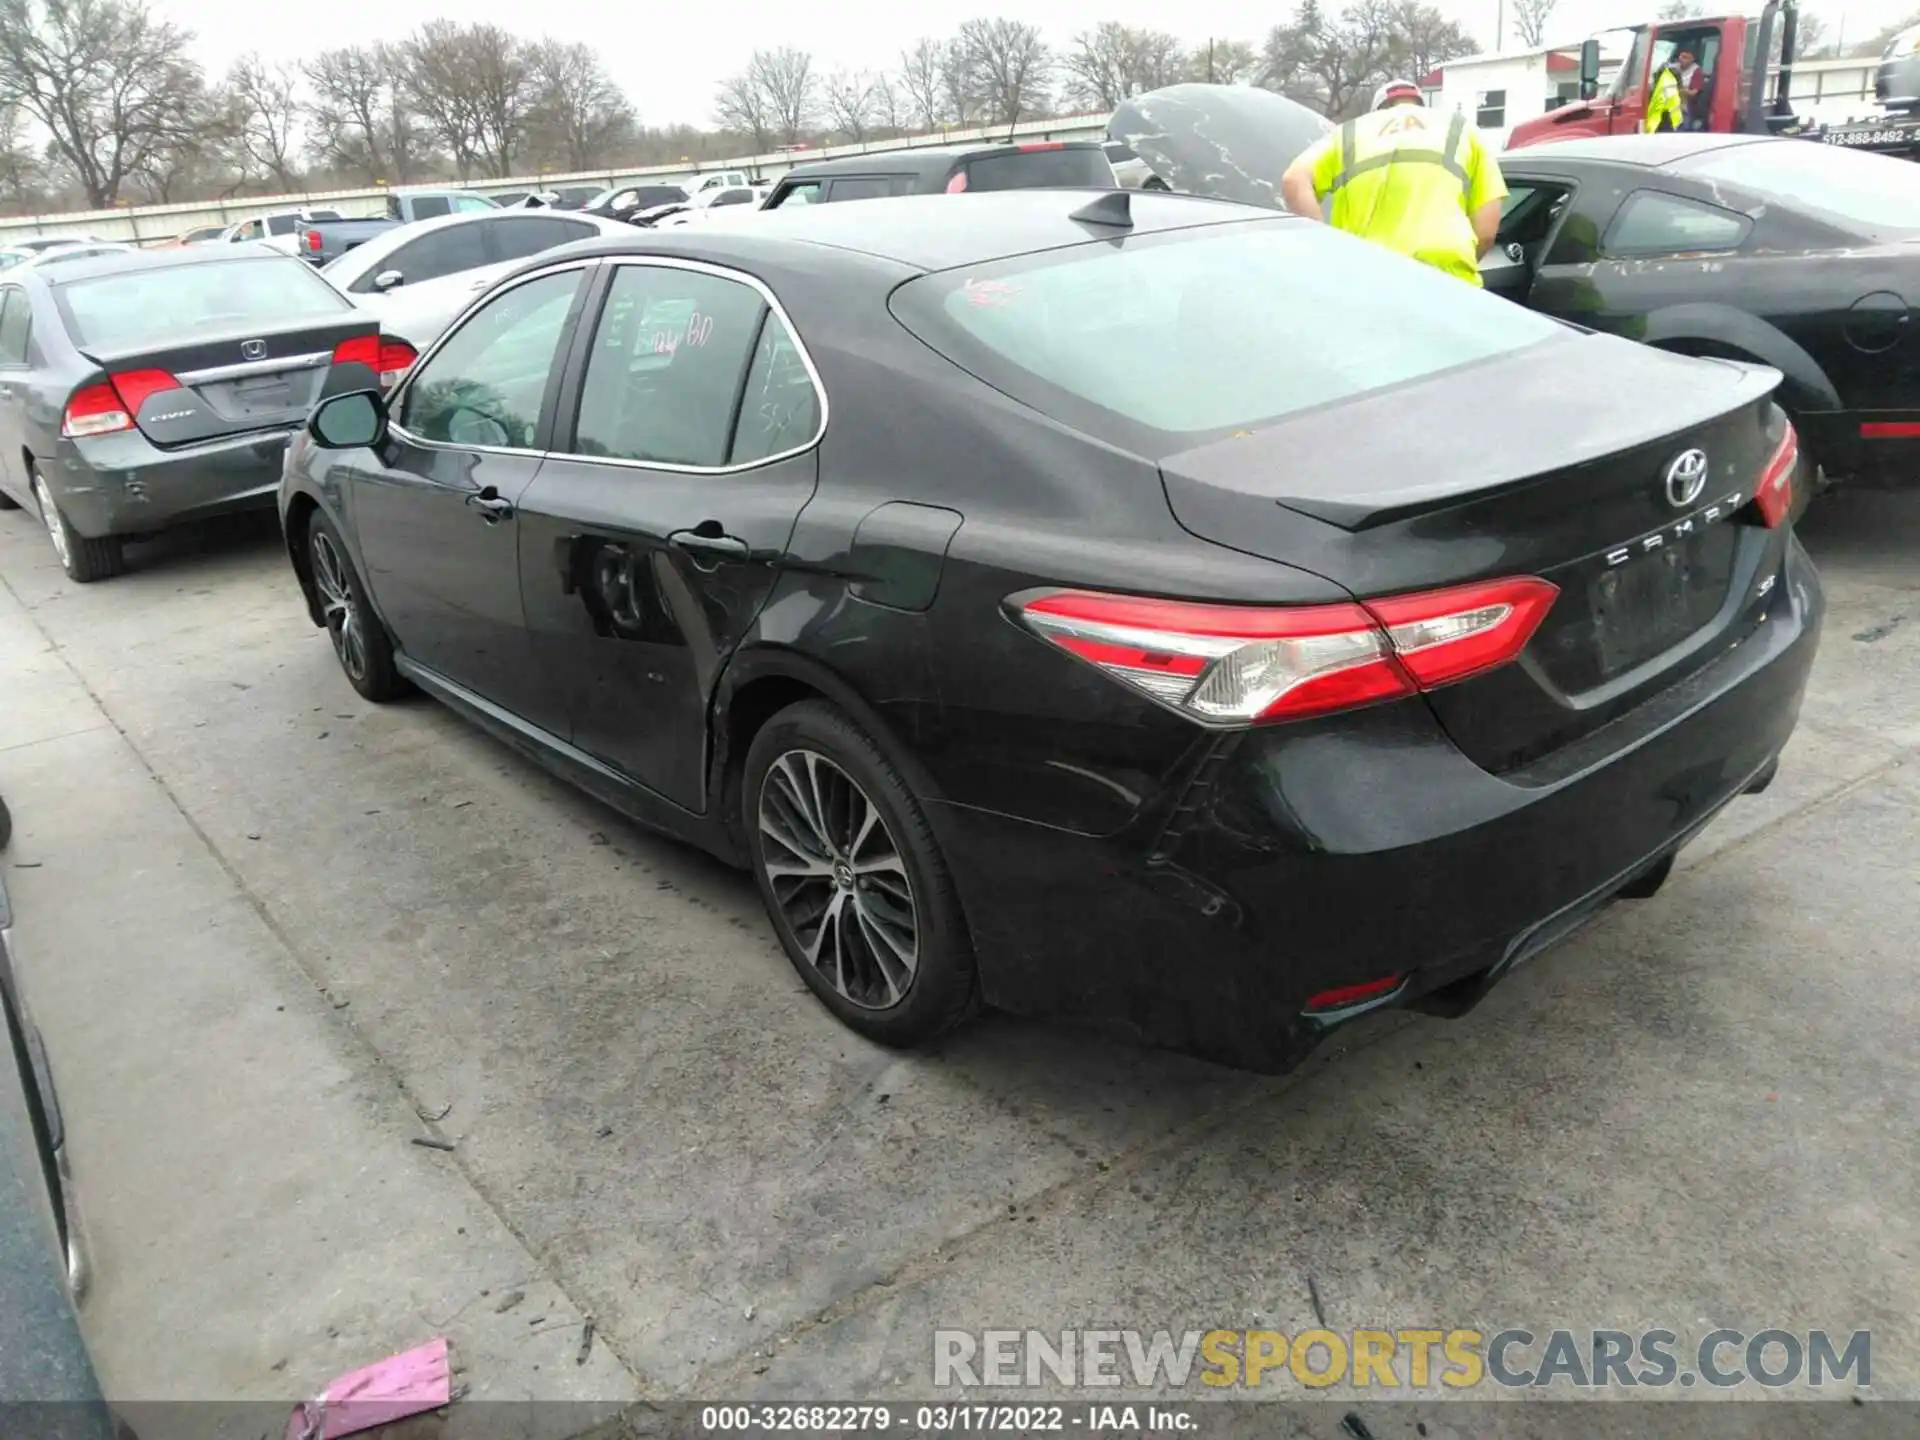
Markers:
{"x": 36, "y": 243}
{"x": 945, "y": 169}
{"x": 327, "y": 241}
{"x": 418, "y": 277}
{"x": 1794, "y": 254}
{"x": 11, "y": 259}
{"x": 708, "y": 206}
{"x": 1179, "y": 617}
{"x": 626, "y": 201}
{"x": 47, "y": 1379}
{"x": 203, "y": 235}
{"x": 280, "y": 230}
{"x": 139, "y": 390}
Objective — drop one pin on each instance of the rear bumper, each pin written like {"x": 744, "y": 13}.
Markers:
{"x": 1309, "y": 858}
{"x": 122, "y": 485}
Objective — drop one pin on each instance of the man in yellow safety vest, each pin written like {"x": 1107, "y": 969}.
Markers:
{"x": 1665, "y": 109}
{"x": 1402, "y": 177}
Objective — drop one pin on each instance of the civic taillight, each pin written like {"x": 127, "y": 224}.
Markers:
{"x": 110, "y": 405}
{"x": 1238, "y": 665}
{"x": 387, "y": 357}
{"x": 1774, "y": 497}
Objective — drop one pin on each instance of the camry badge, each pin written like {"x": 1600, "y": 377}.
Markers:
{"x": 257, "y": 350}
{"x": 1686, "y": 478}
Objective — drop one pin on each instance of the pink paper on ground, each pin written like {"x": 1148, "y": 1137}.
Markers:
{"x": 406, "y": 1384}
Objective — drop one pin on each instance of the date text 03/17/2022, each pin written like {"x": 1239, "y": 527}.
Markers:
{"x": 1118, "y": 1419}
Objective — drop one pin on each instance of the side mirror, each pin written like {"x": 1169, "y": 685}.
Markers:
{"x": 1589, "y": 69}
{"x": 349, "y": 422}
{"x": 387, "y": 280}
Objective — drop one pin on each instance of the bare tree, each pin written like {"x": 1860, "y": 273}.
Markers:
{"x": 1334, "y": 62}
{"x": 347, "y": 121}
{"x": 21, "y": 174}
{"x": 1530, "y": 21}
{"x": 577, "y": 105}
{"x": 850, "y": 103}
{"x": 1224, "y": 62}
{"x": 921, "y": 74}
{"x": 961, "y": 85}
{"x": 741, "y": 106}
{"x": 111, "y": 85}
{"x": 1420, "y": 38}
{"x": 1682, "y": 10}
{"x": 890, "y": 107}
{"x": 1013, "y": 67}
{"x": 786, "y": 80}
{"x": 470, "y": 86}
{"x": 263, "y": 113}
{"x": 1111, "y": 61}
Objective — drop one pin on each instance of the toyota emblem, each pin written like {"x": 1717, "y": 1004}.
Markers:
{"x": 1686, "y": 478}
{"x": 257, "y": 350}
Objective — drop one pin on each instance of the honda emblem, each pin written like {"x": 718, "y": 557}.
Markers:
{"x": 253, "y": 349}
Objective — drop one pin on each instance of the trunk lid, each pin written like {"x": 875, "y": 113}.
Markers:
{"x": 1232, "y": 142}
{"x": 1410, "y": 490}
{"x": 229, "y": 384}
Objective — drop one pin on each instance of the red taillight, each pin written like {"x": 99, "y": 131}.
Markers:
{"x": 313, "y": 241}
{"x": 111, "y": 405}
{"x": 957, "y": 183}
{"x": 1890, "y": 430}
{"x": 1774, "y": 497}
{"x": 396, "y": 358}
{"x": 360, "y": 350}
{"x": 1233, "y": 664}
{"x": 1344, "y": 996}
{"x": 1043, "y": 145}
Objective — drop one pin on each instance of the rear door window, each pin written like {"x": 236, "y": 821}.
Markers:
{"x": 282, "y": 224}
{"x": 16, "y": 324}
{"x": 1163, "y": 342}
{"x": 860, "y": 187}
{"x": 1038, "y": 168}
{"x": 520, "y": 237}
{"x": 669, "y": 357}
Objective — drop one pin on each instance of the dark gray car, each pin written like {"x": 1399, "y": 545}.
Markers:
{"x": 138, "y": 390}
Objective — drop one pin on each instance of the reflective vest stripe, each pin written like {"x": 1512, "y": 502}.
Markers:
{"x": 1447, "y": 157}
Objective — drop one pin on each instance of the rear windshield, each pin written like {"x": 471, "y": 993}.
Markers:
{"x": 1039, "y": 169}
{"x": 1870, "y": 192}
{"x": 144, "y": 307}
{"x": 1165, "y": 342}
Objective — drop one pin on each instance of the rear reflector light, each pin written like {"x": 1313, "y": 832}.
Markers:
{"x": 1774, "y": 497}
{"x": 1345, "y": 996}
{"x": 1890, "y": 430}
{"x": 396, "y": 358}
{"x": 957, "y": 183}
{"x": 1231, "y": 664}
{"x": 313, "y": 241}
{"x": 1043, "y": 145}
{"x": 111, "y": 405}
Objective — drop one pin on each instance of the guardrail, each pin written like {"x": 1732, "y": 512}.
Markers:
{"x": 147, "y": 223}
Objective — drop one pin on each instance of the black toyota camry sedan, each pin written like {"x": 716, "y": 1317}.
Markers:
{"x": 1129, "y": 606}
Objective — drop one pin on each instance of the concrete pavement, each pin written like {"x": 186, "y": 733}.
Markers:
{"x": 1698, "y": 1111}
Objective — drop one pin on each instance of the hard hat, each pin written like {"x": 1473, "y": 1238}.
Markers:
{"x": 1397, "y": 90}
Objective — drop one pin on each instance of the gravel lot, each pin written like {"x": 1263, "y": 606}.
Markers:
{"x": 268, "y": 928}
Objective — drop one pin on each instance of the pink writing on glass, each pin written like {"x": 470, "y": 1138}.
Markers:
{"x": 698, "y": 328}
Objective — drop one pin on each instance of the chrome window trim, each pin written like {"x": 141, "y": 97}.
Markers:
{"x": 774, "y": 307}
{"x": 397, "y": 400}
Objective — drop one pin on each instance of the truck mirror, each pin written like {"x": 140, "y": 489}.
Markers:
{"x": 1589, "y": 69}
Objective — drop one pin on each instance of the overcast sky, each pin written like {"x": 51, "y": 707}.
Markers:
{"x": 671, "y": 59}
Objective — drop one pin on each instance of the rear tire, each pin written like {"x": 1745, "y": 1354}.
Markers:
{"x": 360, "y": 642}
{"x": 853, "y": 878}
{"x": 84, "y": 560}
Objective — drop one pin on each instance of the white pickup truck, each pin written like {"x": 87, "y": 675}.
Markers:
{"x": 280, "y": 229}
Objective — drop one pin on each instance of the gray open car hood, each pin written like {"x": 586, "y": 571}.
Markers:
{"x": 1231, "y": 142}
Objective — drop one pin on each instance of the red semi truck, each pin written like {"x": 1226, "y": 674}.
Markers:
{"x": 1739, "y": 54}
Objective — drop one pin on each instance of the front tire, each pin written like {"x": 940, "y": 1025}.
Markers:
{"x": 84, "y": 560}
{"x": 360, "y": 641}
{"x": 853, "y": 878}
